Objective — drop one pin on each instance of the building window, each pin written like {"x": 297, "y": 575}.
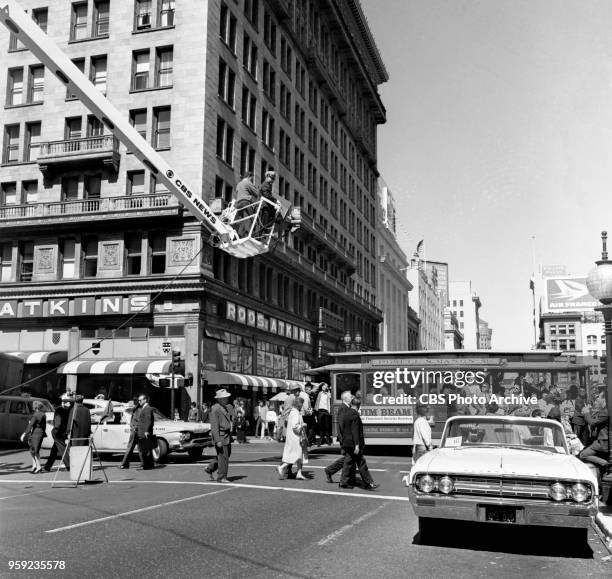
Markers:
{"x": 80, "y": 64}
{"x": 223, "y": 190}
{"x": 73, "y": 128}
{"x": 97, "y": 73}
{"x": 26, "y": 260}
{"x": 269, "y": 33}
{"x": 163, "y": 64}
{"x": 11, "y": 144}
{"x": 157, "y": 246}
{"x": 138, "y": 119}
{"x": 227, "y": 29}
{"x": 29, "y": 191}
{"x": 89, "y": 249}
{"x": 37, "y": 84}
{"x": 251, "y": 11}
{"x": 249, "y": 56}
{"x": 269, "y": 81}
{"x": 166, "y": 13}
{"x": 135, "y": 183}
{"x": 267, "y": 129}
{"x": 6, "y": 261}
{"x": 67, "y": 258}
{"x": 140, "y": 70}
{"x": 101, "y": 18}
{"x": 32, "y": 144}
{"x": 70, "y": 188}
{"x": 247, "y": 158}
{"x": 41, "y": 16}
{"x": 225, "y": 141}
{"x": 15, "y": 87}
{"x": 161, "y": 128}
{"x": 591, "y": 339}
{"x": 93, "y": 186}
{"x": 227, "y": 83}
{"x": 8, "y": 194}
{"x": 95, "y": 127}
{"x": 143, "y": 14}
{"x": 249, "y": 108}
{"x": 133, "y": 254}
{"x": 78, "y": 26}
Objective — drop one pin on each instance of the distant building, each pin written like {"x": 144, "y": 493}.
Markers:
{"x": 428, "y": 304}
{"x": 465, "y": 304}
{"x": 393, "y": 285}
{"x": 441, "y": 270}
{"x": 453, "y": 337}
{"x": 485, "y": 335}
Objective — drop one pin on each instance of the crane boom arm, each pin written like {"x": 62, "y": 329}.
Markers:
{"x": 28, "y": 32}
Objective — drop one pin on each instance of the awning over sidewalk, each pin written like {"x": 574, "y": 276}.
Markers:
{"x": 116, "y": 367}
{"x": 47, "y": 357}
{"x": 253, "y": 382}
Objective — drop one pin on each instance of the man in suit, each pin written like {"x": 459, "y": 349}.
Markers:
{"x": 221, "y": 423}
{"x": 338, "y": 464}
{"x": 59, "y": 433}
{"x": 135, "y": 410}
{"x": 79, "y": 423}
{"x": 360, "y": 461}
{"x": 144, "y": 432}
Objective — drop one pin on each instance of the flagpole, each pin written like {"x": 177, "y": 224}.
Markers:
{"x": 533, "y": 291}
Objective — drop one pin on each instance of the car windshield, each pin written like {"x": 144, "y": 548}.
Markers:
{"x": 158, "y": 415}
{"x": 526, "y": 434}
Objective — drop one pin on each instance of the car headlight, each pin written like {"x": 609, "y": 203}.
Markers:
{"x": 185, "y": 436}
{"x": 580, "y": 492}
{"x": 558, "y": 492}
{"x": 446, "y": 485}
{"x": 426, "y": 483}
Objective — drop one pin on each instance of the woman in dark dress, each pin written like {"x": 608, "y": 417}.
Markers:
{"x": 34, "y": 434}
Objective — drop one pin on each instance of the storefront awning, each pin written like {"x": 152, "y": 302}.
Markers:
{"x": 116, "y": 367}
{"x": 253, "y": 382}
{"x": 47, "y": 357}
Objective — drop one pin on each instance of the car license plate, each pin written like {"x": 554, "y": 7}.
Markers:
{"x": 500, "y": 514}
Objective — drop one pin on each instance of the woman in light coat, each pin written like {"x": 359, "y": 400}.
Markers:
{"x": 293, "y": 452}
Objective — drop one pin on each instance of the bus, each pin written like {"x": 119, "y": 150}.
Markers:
{"x": 391, "y": 384}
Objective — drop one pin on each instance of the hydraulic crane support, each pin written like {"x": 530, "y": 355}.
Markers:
{"x": 28, "y": 32}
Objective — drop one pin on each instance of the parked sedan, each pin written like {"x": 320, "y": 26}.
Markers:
{"x": 502, "y": 470}
{"x": 113, "y": 436}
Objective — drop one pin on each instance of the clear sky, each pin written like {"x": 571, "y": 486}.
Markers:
{"x": 499, "y": 128}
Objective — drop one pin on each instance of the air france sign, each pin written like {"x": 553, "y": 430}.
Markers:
{"x": 569, "y": 293}
{"x": 80, "y": 306}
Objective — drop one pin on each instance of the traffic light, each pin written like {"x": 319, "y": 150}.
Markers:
{"x": 603, "y": 365}
{"x": 176, "y": 360}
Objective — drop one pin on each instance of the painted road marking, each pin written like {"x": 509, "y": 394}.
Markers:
{"x": 24, "y": 494}
{"x": 142, "y": 510}
{"x": 369, "y": 495}
{"x": 333, "y": 536}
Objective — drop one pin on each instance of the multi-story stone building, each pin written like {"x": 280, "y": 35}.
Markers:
{"x": 453, "y": 337}
{"x": 93, "y": 249}
{"x": 485, "y": 334}
{"x": 393, "y": 284}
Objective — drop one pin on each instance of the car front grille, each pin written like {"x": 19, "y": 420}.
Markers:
{"x": 497, "y": 487}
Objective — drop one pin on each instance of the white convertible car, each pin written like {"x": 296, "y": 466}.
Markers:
{"x": 112, "y": 436}
{"x": 505, "y": 470}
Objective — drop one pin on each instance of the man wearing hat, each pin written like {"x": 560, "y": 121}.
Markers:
{"x": 133, "y": 411}
{"x": 60, "y": 432}
{"x": 221, "y": 422}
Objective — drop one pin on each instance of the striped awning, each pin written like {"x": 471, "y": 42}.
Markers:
{"x": 46, "y": 357}
{"x": 116, "y": 367}
{"x": 252, "y": 382}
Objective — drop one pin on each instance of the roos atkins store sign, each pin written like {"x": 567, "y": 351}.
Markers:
{"x": 65, "y": 307}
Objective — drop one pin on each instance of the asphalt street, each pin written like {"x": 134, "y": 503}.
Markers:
{"x": 173, "y": 522}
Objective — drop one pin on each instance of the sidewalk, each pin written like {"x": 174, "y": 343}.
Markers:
{"x": 603, "y": 520}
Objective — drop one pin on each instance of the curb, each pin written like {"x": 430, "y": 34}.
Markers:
{"x": 604, "y": 525}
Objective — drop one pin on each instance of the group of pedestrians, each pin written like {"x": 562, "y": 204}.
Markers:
{"x": 71, "y": 421}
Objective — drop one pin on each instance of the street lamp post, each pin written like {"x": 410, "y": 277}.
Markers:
{"x": 599, "y": 282}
